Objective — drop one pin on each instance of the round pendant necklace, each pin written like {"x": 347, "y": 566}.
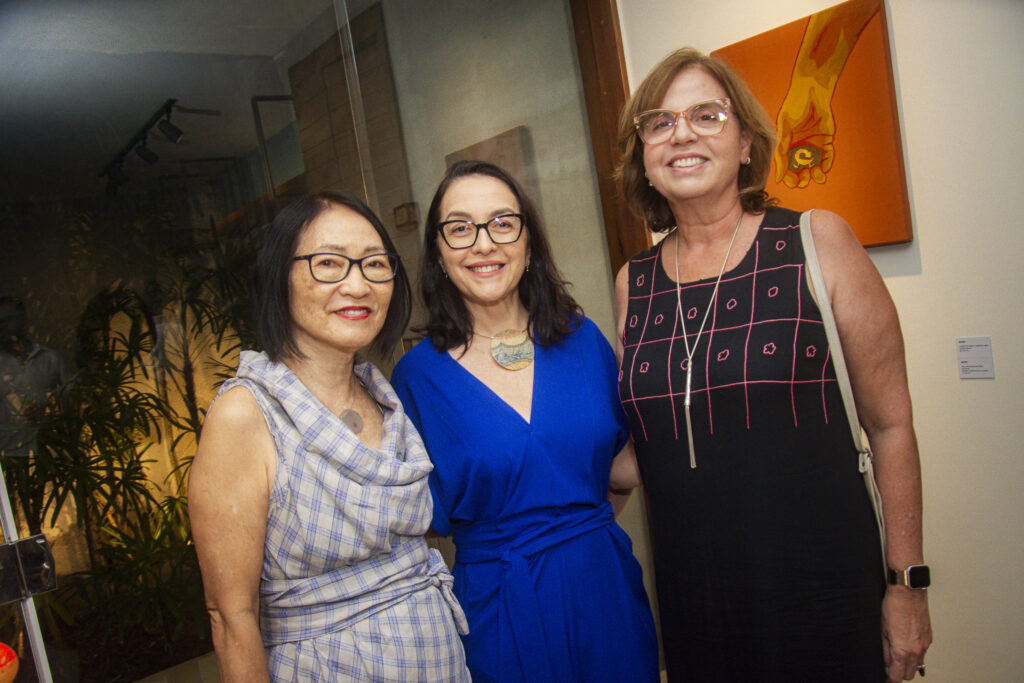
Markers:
{"x": 682, "y": 322}
{"x": 511, "y": 349}
{"x": 350, "y": 417}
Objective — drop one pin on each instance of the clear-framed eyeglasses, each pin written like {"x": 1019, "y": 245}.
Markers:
{"x": 503, "y": 229}
{"x": 329, "y": 267}
{"x": 704, "y": 118}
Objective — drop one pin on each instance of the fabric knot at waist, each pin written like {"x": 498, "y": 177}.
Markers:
{"x": 511, "y": 542}
{"x": 309, "y": 607}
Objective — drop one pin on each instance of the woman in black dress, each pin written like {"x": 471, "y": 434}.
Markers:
{"x": 767, "y": 552}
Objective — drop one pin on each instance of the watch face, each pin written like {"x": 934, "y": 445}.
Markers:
{"x": 919, "y": 576}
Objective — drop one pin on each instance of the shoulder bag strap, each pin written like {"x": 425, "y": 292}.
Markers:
{"x": 842, "y": 376}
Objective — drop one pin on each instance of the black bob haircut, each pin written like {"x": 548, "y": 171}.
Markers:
{"x": 272, "y": 313}
{"x": 545, "y": 295}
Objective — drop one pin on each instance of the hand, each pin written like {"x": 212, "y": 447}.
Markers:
{"x": 805, "y": 128}
{"x": 906, "y": 631}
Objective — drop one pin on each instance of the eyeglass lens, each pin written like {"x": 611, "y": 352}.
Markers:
{"x": 706, "y": 118}
{"x": 335, "y": 267}
{"x": 501, "y": 230}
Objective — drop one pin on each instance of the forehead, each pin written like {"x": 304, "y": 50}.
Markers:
{"x": 338, "y": 227}
{"x": 690, "y": 86}
{"x": 475, "y": 194}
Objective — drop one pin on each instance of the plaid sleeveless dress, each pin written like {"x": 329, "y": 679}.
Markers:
{"x": 349, "y": 588}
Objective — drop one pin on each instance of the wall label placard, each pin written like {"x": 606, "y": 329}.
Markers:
{"x": 974, "y": 358}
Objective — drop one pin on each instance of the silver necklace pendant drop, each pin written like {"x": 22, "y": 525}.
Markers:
{"x": 686, "y": 341}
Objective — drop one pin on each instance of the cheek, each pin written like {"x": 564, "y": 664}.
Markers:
{"x": 445, "y": 255}
{"x": 385, "y": 297}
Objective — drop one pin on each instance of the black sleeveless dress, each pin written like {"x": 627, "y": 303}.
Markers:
{"x": 767, "y": 556}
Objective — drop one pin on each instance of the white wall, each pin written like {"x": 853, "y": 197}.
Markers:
{"x": 958, "y": 68}
{"x": 467, "y": 70}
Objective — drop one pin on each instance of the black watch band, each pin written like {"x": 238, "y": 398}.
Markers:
{"x": 917, "y": 576}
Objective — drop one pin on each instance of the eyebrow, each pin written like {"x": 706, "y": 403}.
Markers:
{"x": 339, "y": 249}
{"x": 466, "y": 216}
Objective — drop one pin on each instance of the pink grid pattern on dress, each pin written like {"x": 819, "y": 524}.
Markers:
{"x": 755, "y": 267}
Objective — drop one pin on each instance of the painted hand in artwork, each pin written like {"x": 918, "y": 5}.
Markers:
{"x": 805, "y": 129}
{"x": 806, "y": 126}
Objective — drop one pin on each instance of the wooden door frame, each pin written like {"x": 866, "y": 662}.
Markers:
{"x": 605, "y": 91}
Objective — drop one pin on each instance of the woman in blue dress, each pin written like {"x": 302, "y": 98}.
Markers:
{"x": 514, "y": 393}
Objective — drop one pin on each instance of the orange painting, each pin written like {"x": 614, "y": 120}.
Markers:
{"x": 826, "y": 81}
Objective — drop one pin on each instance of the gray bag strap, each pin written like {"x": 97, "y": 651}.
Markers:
{"x": 842, "y": 376}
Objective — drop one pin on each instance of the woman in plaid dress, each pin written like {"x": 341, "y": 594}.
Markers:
{"x": 308, "y": 493}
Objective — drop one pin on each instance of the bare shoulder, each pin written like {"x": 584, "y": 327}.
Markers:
{"x": 621, "y": 303}
{"x": 235, "y": 437}
{"x": 831, "y": 232}
{"x": 236, "y": 406}
{"x": 622, "y": 283}
{"x": 844, "y": 262}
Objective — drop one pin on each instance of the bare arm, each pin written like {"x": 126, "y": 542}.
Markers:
{"x": 873, "y": 345}
{"x": 625, "y": 476}
{"x": 621, "y": 302}
{"x": 229, "y": 493}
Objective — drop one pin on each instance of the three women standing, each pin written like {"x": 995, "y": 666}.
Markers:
{"x": 514, "y": 394}
{"x": 767, "y": 555}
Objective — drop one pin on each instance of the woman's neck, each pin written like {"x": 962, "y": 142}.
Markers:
{"x": 706, "y": 225}
{"x": 328, "y": 376}
{"x": 509, "y": 314}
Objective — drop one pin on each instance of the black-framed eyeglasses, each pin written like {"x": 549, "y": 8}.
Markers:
{"x": 503, "y": 229}
{"x": 329, "y": 267}
{"x": 704, "y": 118}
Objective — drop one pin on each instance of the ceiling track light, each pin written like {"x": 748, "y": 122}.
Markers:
{"x": 170, "y": 131}
{"x": 146, "y": 154}
{"x": 161, "y": 119}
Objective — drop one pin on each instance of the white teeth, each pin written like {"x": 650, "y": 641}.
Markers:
{"x": 484, "y": 269}
{"x": 687, "y": 162}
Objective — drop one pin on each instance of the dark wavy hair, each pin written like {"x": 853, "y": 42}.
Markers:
{"x": 645, "y": 201}
{"x": 272, "y": 313}
{"x": 545, "y": 295}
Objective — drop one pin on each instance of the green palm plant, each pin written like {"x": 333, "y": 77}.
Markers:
{"x": 150, "y": 349}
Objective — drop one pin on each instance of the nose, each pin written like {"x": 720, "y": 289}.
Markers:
{"x": 355, "y": 283}
{"x": 682, "y": 131}
{"x": 484, "y": 244}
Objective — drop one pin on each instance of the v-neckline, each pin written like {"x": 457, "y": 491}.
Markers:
{"x": 494, "y": 395}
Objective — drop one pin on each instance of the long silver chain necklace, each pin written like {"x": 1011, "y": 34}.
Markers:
{"x": 682, "y": 322}
{"x": 511, "y": 349}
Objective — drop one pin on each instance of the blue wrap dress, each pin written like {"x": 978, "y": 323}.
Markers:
{"x": 550, "y": 586}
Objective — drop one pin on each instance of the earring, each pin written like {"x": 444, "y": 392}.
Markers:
{"x": 747, "y": 162}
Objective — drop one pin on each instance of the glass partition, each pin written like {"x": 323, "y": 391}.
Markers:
{"x": 145, "y": 151}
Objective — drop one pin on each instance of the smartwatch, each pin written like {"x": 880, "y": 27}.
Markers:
{"x": 917, "y": 576}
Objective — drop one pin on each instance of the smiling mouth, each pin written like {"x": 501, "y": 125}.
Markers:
{"x": 687, "y": 162}
{"x": 354, "y": 312}
{"x": 485, "y": 269}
